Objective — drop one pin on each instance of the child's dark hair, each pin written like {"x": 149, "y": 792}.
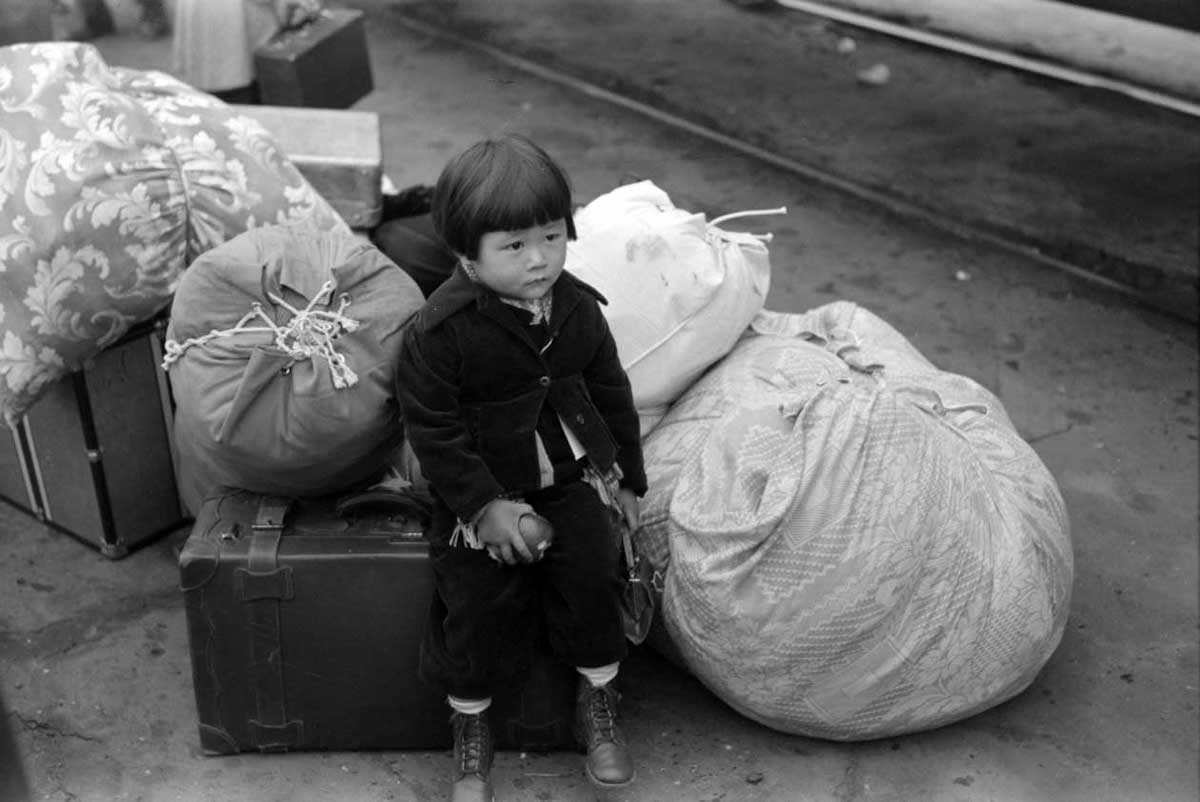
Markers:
{"x": 503, "y": 184}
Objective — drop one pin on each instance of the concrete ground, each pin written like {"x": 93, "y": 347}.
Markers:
{"x": 94, "y": 667}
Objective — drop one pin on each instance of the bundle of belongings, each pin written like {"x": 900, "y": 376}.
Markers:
{"x": 681, "y": 290}
{"x": 855, "y": 544}
{"x": 282, "y": 353}
{"x": 112, "y": 181}
{"x": 847, "y": 542}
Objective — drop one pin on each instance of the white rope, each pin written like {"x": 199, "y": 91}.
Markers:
{"x": 307, "y": 335}
{"x": 751, "y": 213}
{"x": 748, "y": 213}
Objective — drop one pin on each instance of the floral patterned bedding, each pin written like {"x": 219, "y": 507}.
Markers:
{"x": 112, "y": 181}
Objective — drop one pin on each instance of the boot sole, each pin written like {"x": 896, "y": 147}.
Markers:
{"x": 601, "y": 784}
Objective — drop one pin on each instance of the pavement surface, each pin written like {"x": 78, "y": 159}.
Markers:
{"x": 1065, "y": 173}
{"x": 94, "y": 666}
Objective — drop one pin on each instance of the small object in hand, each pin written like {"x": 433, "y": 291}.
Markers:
{"x": 538, "y": 533}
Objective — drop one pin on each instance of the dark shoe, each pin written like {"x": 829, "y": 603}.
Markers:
{"x": 472, "y": 758}
{"x": 608, "y": 762}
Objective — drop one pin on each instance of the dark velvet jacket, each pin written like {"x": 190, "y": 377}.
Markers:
{"x": 472, "y": 382}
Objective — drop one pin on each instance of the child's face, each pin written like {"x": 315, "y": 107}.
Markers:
{"x": 522, "y": 264}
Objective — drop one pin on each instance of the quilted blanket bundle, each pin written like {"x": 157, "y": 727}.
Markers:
{"x": 855, "y": 544}
{"x": 112, "y": 181}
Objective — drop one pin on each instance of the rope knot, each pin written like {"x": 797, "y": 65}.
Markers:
{"x": 308, "y": 334}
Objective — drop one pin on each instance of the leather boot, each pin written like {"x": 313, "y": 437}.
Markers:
{"x": 608, "y": 762}
{"x": 472, "y": 758}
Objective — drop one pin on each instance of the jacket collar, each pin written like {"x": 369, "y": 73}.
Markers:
{"x": 458, "y": 291}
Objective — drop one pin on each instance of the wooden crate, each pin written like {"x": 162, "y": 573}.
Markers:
{"x": 340, "y": 152}
{"x": 94, "y": 456}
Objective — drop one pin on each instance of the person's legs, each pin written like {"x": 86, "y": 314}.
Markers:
{"x": 474, "y": 637}
{"x": 581, "y": 596}
{"x": 81, "y": 20}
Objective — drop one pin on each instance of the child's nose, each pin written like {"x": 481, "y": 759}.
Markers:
{"x": 535, "y": 255}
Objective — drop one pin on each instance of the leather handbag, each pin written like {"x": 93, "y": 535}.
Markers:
{"x": 642, "y": 588}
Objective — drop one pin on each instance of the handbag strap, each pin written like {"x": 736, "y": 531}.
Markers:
{"x": 627, "y": 547}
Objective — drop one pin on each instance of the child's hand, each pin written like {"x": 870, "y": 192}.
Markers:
{"x": 498, "y": 530}
{"x": 629, "y": 508}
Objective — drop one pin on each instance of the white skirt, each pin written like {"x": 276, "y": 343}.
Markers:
{"x": 214, "y": 41}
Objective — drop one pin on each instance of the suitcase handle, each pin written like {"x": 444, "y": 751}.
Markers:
{"x": 408, "y": 502}
{"x": 272, "y": 510}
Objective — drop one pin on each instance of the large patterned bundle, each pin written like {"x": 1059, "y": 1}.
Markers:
{"x": 856, "y": 544}
{"x": 111, "y": 181}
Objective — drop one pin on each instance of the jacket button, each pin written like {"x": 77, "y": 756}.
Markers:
{"x": 544, "y": 381}
{"x": 579, "y": 419}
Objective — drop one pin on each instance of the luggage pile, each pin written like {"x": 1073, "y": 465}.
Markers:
{"x": 112, "y": 181}
{"x": 851, "y": 543}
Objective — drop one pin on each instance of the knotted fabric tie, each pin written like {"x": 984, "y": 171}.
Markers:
{"x": 308, "y": 334}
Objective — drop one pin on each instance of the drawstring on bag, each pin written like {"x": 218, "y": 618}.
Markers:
{"x": 308, "y": 334}
{"x": 751, "y": 213}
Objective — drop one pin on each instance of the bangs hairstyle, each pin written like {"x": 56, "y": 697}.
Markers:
{"x": 502, "y": 184}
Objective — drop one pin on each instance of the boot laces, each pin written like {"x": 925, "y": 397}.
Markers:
{"x": 472, "y": 740}
{"x": 602, "y": 716}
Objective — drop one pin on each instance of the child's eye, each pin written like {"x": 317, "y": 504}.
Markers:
{"x": 552, "y": 236}
{"x": 515, "y": 245}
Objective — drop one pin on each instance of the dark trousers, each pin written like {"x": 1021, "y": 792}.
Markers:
{"x": 486, "y": 617}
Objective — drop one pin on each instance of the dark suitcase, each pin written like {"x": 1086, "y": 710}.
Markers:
{"x": 305, "y": 627}
{"x": 322, "y": 64}
{"x": 93, "y": 456}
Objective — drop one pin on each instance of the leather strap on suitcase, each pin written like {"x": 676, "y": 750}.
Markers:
{"x": 264, "y": 584}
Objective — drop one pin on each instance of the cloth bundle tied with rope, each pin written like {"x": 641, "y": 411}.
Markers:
{"x": 281, "y": 353}
{"x": 681, "y": 289}
{"x": 309, "y": 333}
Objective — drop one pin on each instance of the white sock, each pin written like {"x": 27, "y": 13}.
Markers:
{"x": 601, "y": 675}
{"x": 469, "y": 707}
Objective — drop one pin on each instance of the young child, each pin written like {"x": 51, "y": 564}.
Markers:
{"x": 515, "y": 402}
